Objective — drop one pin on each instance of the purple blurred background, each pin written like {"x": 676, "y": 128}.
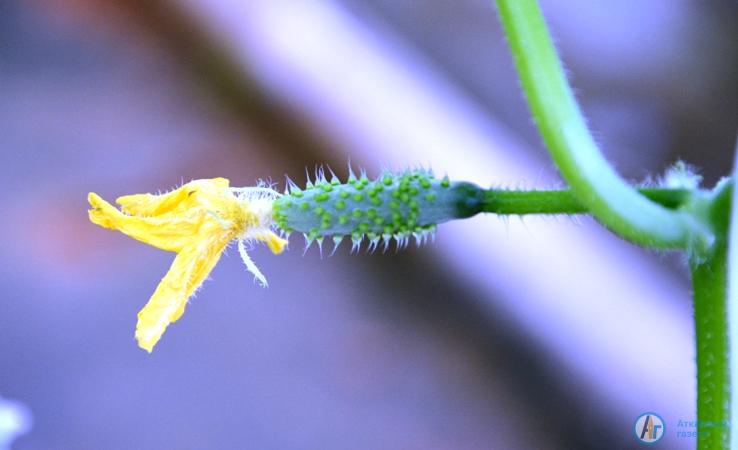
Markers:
{"x": 543, "y": 333}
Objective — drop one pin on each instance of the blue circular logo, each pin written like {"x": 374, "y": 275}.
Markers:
{"x": 649, "y": 428}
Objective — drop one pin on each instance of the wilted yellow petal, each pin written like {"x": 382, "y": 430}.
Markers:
{"x": 174, "y": 202}
{"x": 170, "y": 234}
{"x": 275, "y": 243}
{"x": 197, "y": 221}
{"x": 189, "y": 269}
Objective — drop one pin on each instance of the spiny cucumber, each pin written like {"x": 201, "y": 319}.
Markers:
{"x": 392, "y": 206}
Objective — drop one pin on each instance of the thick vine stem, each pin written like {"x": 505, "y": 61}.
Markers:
{"x": 732, "y": 297}
{"x": 596, "y": 185}
{"x": 711, "y": 314}
{"x": 711, "y": 328}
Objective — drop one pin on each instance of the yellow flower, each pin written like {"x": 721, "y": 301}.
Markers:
{"x": 197, "y": 221}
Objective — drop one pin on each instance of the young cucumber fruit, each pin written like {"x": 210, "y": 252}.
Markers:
{"x": 392, "y": 206}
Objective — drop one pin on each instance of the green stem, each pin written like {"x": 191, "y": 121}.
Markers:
{"x": 732, "y": 297}
{"x": 565, "y": 201}
{"x": 709, "y": 279}
{"x": 607, "y": 196}
{"x": 711, "y": 329}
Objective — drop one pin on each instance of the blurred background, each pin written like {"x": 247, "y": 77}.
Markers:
{"x": 544, "y": 333}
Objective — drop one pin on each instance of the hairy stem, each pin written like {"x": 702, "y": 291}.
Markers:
{"x": 711, "y": 309}
{"x": 593, "y": 181}
{"x": 713, "y": 382}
